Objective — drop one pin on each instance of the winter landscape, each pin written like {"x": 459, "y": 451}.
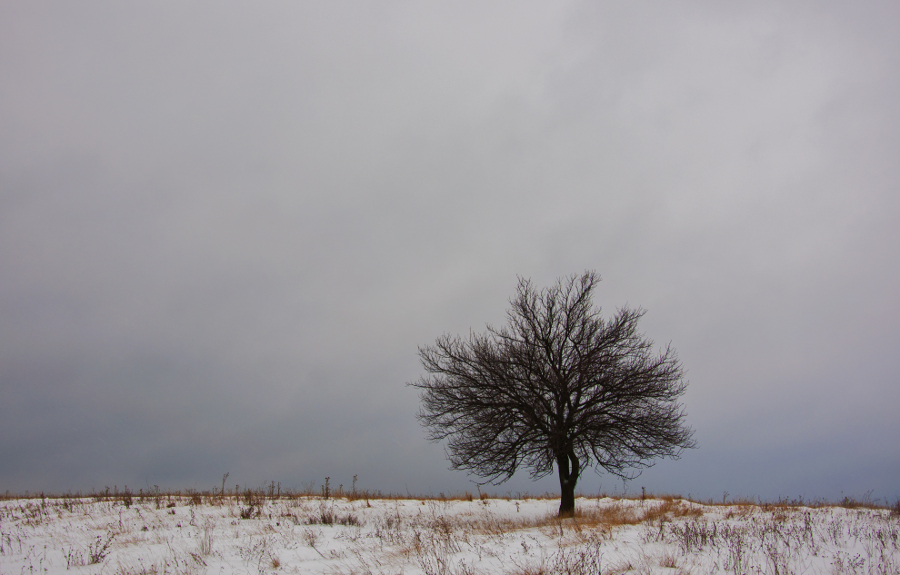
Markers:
{"x": 546, "y": 248}
{"x": 262, "y": 532}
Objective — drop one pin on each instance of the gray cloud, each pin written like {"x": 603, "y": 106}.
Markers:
{"x": 224, "y": 230}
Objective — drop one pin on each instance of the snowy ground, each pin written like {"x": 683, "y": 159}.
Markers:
{"x": 178, "y": 535}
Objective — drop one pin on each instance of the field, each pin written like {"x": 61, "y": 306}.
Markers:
{"x": 260, "y": 533}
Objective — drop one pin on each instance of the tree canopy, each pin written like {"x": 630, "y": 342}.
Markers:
{"x": 558, "y": 384}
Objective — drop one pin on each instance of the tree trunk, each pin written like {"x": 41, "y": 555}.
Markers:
{"x": 568, "y": 476}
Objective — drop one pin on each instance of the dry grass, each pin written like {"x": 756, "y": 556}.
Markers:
{"x": 438, "y": 536}
{"x": 615, "y": 513}
{"x": 222, "y": 495}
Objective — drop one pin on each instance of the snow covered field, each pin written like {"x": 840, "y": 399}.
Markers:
{"x": 256, "y": 535}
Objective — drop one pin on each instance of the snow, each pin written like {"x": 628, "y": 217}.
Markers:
{"x": 209, "y": 535}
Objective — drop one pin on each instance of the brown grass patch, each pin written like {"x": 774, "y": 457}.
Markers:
{"x": 621, "y": 513}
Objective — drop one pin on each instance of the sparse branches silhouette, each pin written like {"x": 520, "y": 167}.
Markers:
{"x": 558, "y": 384}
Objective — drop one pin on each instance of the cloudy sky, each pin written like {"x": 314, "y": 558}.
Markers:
{"x": 226, "y": 227}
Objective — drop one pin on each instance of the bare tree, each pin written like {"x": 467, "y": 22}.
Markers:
{"x": 558, "y": 384}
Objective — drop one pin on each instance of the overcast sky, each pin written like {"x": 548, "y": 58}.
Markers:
{"x": 226, "y": 227}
